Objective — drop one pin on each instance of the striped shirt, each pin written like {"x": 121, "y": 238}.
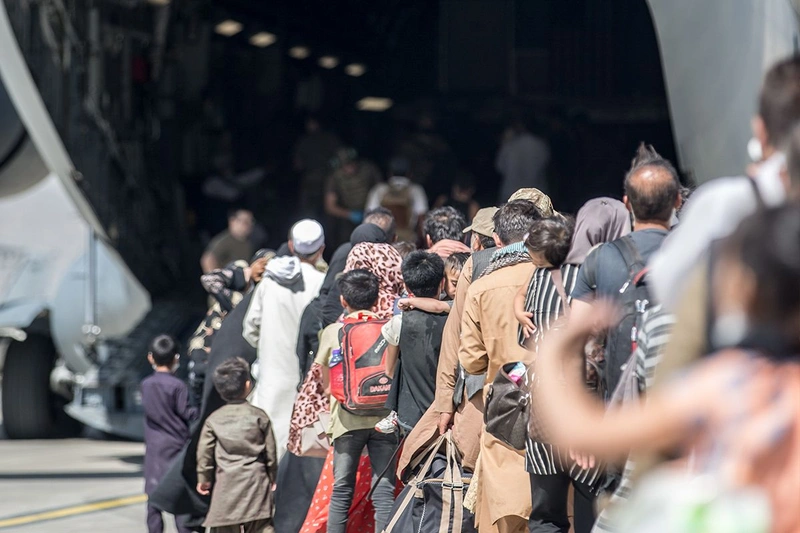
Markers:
{"x": 544, "y": 302}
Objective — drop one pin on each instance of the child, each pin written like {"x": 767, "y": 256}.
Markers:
{"x": 452, "y": 270}
{"x": 414, "y": 338}
{"x": 236, "y": 455}
{"x": 453, "y": 266}
{"x": 538, "y": 303}
{"x": 351, "y": 433}
{"x": 165, "y": 400}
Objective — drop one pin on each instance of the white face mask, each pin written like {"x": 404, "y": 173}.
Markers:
{"x": 729, "y": 329}
{"x": 754, "y": 150}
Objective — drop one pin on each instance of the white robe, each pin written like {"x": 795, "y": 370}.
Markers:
{"x": 272, "y": 325}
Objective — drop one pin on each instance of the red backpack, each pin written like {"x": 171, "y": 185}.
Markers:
{"x": 359, "y": 382}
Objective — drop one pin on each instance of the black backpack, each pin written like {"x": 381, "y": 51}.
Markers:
{"x": 634, "y": 299}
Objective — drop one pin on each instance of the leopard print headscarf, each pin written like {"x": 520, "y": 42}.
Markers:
{"x": 384, "y": 261}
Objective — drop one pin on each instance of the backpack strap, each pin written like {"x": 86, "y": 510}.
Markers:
{"x": 630, "y": 254}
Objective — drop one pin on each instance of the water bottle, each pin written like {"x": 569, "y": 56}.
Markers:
{"x": 336, "y": 357}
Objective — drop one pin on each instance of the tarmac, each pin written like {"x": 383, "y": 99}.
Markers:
{"x": 72, "y": 486}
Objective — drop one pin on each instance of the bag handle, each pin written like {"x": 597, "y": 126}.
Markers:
{"x": 558, "y": 281}
{"x": 430, "y": 452}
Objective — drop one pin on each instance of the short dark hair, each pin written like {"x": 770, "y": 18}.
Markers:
{"x": 359, "y": 288}
{"x": 486, "y": 242}
{"x": 551, "y": 237}
{"x": 230, "y": 379}
{"x": 514, "y": 219}
{"x": 164, "y": 349}
{"x": 653, "y": 199}
{"x": 779, "y": 100}
{"x": 384, "y": 219}
{"x": 456, "y": 261}
{"x": 404, "y": 248}
{"x": 444, "y": 223}
{"x": 423, "y": 273}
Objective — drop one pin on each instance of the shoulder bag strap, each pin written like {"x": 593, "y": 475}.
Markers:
{"x": 558, "y": 281}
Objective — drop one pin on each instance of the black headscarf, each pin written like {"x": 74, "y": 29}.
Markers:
{"x": 367, "y": 233}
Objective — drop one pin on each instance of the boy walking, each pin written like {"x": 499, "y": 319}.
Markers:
{"x": 415, "y": 338}
{"x": 351, "y": 432}
{"x": 237, "y": 462}
{"x": 165, "y": 400}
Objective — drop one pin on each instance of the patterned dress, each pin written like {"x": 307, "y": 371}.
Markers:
{"x": 226, "y": 286}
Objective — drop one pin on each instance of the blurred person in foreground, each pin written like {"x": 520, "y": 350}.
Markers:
{"x": 734, "y": 417}
{"x": 681, "y": 271}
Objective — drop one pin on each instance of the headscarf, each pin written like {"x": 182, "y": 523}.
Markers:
{"x": 363, "y": 233}
{"x": 599, "y": 220}
{"x": 384, "y": 261}
{"x": 367, "y": 233}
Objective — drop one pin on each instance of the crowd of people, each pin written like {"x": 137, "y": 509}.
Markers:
{"x": 633, "y": 368}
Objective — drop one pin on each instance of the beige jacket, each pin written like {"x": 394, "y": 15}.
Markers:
{"x": 488, "y": 341}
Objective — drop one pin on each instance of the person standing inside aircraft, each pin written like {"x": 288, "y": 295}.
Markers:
{"x": 232, "y": 244}
{"x": 522, "y": 160}
{"x": 347, "y": 190}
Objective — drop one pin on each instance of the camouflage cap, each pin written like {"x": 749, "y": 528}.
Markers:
{"x": 537, "y": 198}
{"x": 483, "y": 223}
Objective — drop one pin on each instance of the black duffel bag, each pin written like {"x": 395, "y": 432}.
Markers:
{"x": 433, "y": 500}
{"x": 507, "y": 406}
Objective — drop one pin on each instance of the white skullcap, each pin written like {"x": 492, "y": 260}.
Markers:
{"x": 307, "y": 236}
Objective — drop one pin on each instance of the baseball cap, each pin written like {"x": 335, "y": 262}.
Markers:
{"x": 483, "y": 223}
{"x": 307, "y": 236}
{"x": 537, "y": 198}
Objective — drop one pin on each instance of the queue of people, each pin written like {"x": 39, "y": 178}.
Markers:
{"x": 633, "y": 368}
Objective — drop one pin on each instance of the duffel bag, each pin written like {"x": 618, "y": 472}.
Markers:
{"x": 433, "y": 501}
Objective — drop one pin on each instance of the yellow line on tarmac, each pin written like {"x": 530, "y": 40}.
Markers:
{"x": 74, "y": 510}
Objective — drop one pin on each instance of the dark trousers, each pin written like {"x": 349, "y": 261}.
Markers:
{"x": 346, "y": 456}
{"x": 549, "y": 505}
{"x": 155, "y": 522}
